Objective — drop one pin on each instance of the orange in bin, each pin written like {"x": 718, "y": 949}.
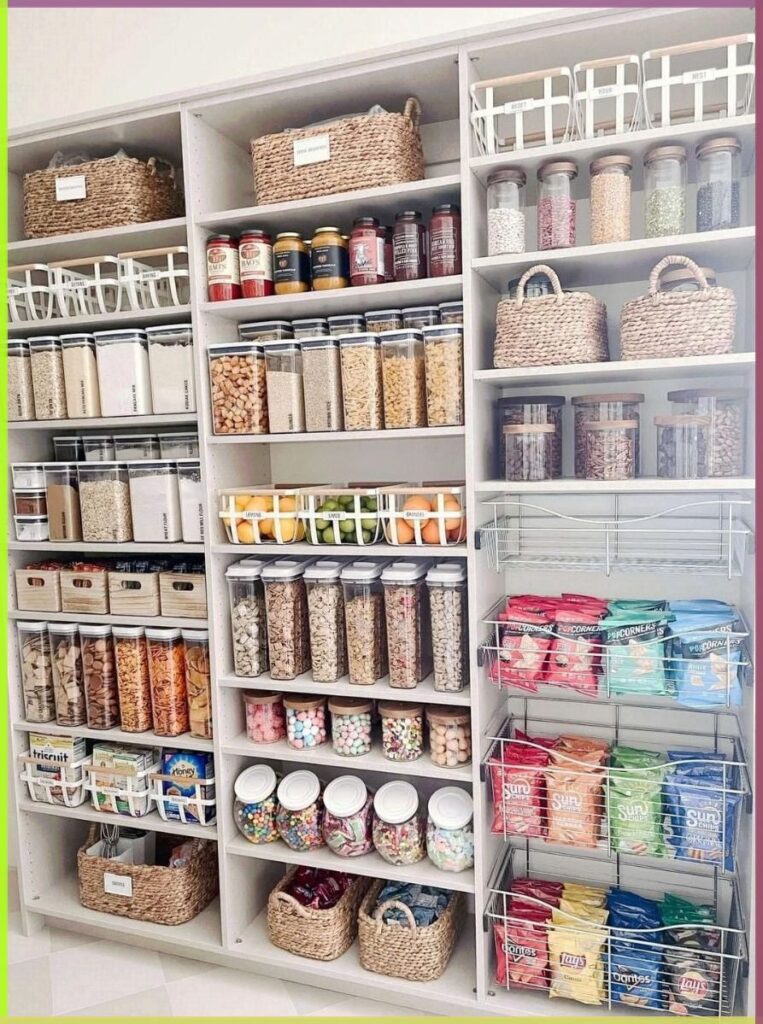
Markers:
{"x": 428, "y": 513}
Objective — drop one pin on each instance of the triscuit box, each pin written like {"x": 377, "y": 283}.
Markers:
{"x": 54, "y": 758}
{"x": 185, "y": 767}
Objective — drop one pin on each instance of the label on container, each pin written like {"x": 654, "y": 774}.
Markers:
{"x": 151, "y": 275}
{"x": 516, "y": 105}
{"x": 329, "y": 261}
{"x": 602, "y": 90}
{"x": 415, "y": 513}
{"x": 367, "y": 257}
{"x": 117, "y": 885}
{"x": 255, "y": 261}
{"x": 315, "y": 150}
{"x": 443, "y": 244}
{"x": 409, "y": 253}
{"x": 291, "y": 266}
{"x": 222, "y": 265}
{"x": 71, "y": 187}
{"x": 76, "y": 286}
{"x": 704, "y": 75}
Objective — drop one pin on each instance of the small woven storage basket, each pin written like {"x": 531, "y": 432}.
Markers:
{"x": 664, "y": 325}
{"x": 365, "y": 151}
{"x": 317, "y": 934}
{"x": 549, "y": 330}
{"x": 161, "y": 895}
{"x": 406, "y": 950}
{"x": 119, "y": 191}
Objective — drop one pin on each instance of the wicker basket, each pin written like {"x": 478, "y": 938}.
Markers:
{"x": 161, "y": 895}
{"x": 317, "y": 934}
{"x": 365, "y": 151}
{"x": 550, "y": 330}
{"x": 119, "y": 191}
{"x": 406, "y": 951}
{"x": 664, "y": 325}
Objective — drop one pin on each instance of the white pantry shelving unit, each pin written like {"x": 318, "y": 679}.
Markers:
{"x": 208, "y": 134}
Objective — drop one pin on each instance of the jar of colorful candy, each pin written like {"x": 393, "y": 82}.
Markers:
{"x": 350, "y": 725}
{"x": 399, "y": 831}
{"x": 305, "y": 721}
{"x": 265, "y": 718}
{"x": 348, "y": 817}
{"x": 254, "y": 807}
{"x": 402, "y": 730}
{"x": 299, "y": 818}
{"x": 450, "y": 833}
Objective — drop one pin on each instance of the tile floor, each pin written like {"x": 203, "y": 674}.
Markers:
{"x": 49, "y": 976}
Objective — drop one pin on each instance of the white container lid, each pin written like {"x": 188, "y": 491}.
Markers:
{"x": 247, "y": 568}
{"x": 284, "y": 569}
{"x": 122, "y": 335}
{"x": 419, "y": 309}
{"x": 32, "y": 625}
{"x": 223, "y": 347}
{"x": 324, "y": 569}
{"x": 345, "y": 796}
{"x": 69, "y": 340}
{"x": 66, "y": 628}
{"x": 298, "y": 790}
{"x": 448, "y": 573}
{"x": 396, "y": 802}
{"x": 155, "y": 633}
{"x": 201, "y": 635}
{"x": 88, "y": 630}
{"x": 133, "y": 632}
{"x": 363, "y": 572}
{"x": 405, "y": 571}
{"x": 263, "y": 325}
{"x": 450, "y": 807}
{"x": 255, "y": 784}
{"x": 167, "y": 329}
{"x": 30, "y": 519}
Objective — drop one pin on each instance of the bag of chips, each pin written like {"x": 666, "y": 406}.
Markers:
{"x": 521, "y": 946}
{"x": 635, "y": 653}
{"x": 524, "y": 640}
{"x": 701, "y": 806}
{"x": 537, "y": 889}
{"x": 575, "y": 944}
{"x": 519, "y": 787}
{"x": 692, "y": 961}
{"x": 574, "y": 655}
{"x": 635, "y": 952}
{"x": 574, "y": 791}
{"x": 705, "y": 660}
{"x": 634, "y": 801}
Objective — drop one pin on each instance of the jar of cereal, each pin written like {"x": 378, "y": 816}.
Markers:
{"x": 407, "y": 615}
{"x": 399, "y": 831}
{"x": 246, "y": 596}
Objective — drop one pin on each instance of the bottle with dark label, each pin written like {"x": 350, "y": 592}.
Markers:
{"x": 409, "y": 244}
{"x": 445, "y": 240}
{"x": 329, "y": 259}
{"x": 291, "y": 264}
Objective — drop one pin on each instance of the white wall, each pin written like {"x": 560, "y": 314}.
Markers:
{"x": 67, "y": 61}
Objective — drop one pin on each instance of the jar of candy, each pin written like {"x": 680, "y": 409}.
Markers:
{"x": 348, "y": 817}
{"x": 399, "y": 831}
{"x": 299, "y": 818}
{"x": 254, "y": 806}
{"x": 305, "y": 721}
{"x": 350, "y": 726}
{"x": 450, "y": 736}
{"x": 556, "y": 207}
{"x": 265, "y": 717}
{"x": 402, "y": 730}
{"x": 223, "y": 275}
{"x": 450, "y": 833}
{"x": 445, "y": 240}
{"x": 366, "y": 252}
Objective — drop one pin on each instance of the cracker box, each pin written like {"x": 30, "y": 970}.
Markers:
{"x": 55, "y": 758}
{"x": 186, "y": 767}
{"x": 132, "y": 761}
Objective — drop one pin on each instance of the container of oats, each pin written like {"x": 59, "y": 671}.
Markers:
{"x": 446, "y": 583}
{"x": 36, "y": 672}
{"x": 406, "y": 611}
{"x": 444, "y": 365}
{"x": 364, "y": 618}
{"x": 325, "y": 606}
{"x": 48, "y": 382}
{"x": 105, "y": 502}
{"x": 287, "y": 617}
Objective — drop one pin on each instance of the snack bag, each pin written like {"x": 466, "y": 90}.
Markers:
{"x": 692, "y": 963}
{"x": 627, "y": 606}
{"x": 525, "y": 637}
{"x": 537, "y": 889}
{"x": 521, "y": 947}
{"x": 576, "y": 893}
{"x": 635, "y": 953}
{"x": 635, "y": 653}
{"x": 519, "y": 788}
{"x": 575, "y": 946}
{"x": 700, "y": 809}
{"x": 574, "y": 655}
{"x": 574, "y": 791}
{"x": 705, "y": 660}
{"x": 634, "y": 801}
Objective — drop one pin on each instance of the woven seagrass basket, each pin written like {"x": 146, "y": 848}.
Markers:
{"x": 118, "y": 192}
{"x": 161, "y": 895}
{"x": 664, "y": 325}
{"x": 406, "y": 950}
{"x": 317, "y": 934}
{"x": 550, "y": 330}
{"x": 365, "y": 151}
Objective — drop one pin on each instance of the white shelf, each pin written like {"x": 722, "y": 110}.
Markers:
{"x": 103, "y": 242}
{"x": 127, "y": 547}
{"x": 370, "y": 864}
{"x": 152, "y": 822}
{"x": 329, "y": 436}
{"x": 99, "y": 322}
{"x": 590, "y": 265}
{"x": 380, "y": 690}
{"x": 646, "y": 485}
{"x": 114, "y": 620}
{"x": 324, "y": 755}
{"x": 381, "y": 550}
{"x": 737, "y": 364}
{"x": 101, "y": 423}
{"x": 142, "y": 739}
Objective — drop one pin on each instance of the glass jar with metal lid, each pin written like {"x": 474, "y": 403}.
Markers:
{"x": 223, "y": 275}
{"x": 255, "y": 253}
{"x": 726, "y": 411}
{"x": 329, "y": 259}
{"x": 291, "y": 264}
{"x": 665, "y": 191}
{"x": 611, "y": 199}
{"x": 506, "y": 211}
{"x": 718, "y": 183}
{"x": 556, "y": 206}
{"x": 533, "y": 409}
{"x": 409, "y": 243}
{"x": 366, "y": 252}
{"x": 445, "y": 241}
{"x": 593, "y": 408}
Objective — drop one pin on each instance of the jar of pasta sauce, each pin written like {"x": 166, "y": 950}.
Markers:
{"x": 223, "y": 275}
{"x": 328, "y": 259}
{"x": 366, "y": 252}
{"x": 445, "y": 240}
{"x": 291, "y": 264}
{"x": 389, "y": 255}
{"x": 255, "y": 254}
{"x": 409, "y": 244}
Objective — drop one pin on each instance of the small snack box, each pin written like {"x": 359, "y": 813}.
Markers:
{"x": 52, "y": 770}
{"x": 185, "y": 789}
{"x": 118, "y": 778}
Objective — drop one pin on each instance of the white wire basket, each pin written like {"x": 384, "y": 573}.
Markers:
{"x": 350, "y": 521}
{"x": 261, "y": 515}
{"x": 129, "y": 794}
{"x": 697, "y": 82}
{"x": 517, "y": 112}
{"x": 422, "y": 514}
{"x": 90, "y": 286}
{"x": 65, "y": 786}
{"x": 607, "y": 96}
{"x": 197, "y": 808}
{"x": 156, "y": 278}
{"x": 30, "y": 293}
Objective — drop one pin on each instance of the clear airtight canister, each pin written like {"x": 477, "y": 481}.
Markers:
{"x": 20, "y": 392}
{"x": 287, "y": 618}
{"x": 246, "y": 594}
{"x": 362, "y": 389}
{"x": 183, "y": 445}
{"x": 556, "y": 205}
{"x": 191, "y": 501}
{"x": 155, "y": 501}
{"x": 238, "y": 390}
{"x": 399, "y": 830}
{"x": 62, "y": 498}
{"x": 169, "y": 697}
{"x": 611, "y": 199}
{"x": 198, "y": 681}
{"x": 80, "y": 375}
{"x": 404, "y": 378}
{"x": 348, "y": 817}
{"x": 322, "y": 384}
{"x": 682, "y": 446}
{"x": 406, "y": 609}
{"x": 665, "y": 191}
{"x": 99, "y": 448}
{"x": 100, "y": 675}
{"x": 450, "y": 832}
{"x": 506, "y": 211}
{"x": 124, "y": 376}
{"x": 446, "y": 583}
{"x": 450, "y": 736}
{"x": 299, "y": 818}
{"x": 621, "y": 405}
{"x": 48, "y": 382}
{"x": 364, "y": 618}
{"x": 170, "y": 358}
{"x": 350, "y": 725}
{"x": 325, "y": 605}
{"x": 133, "y": 678}
{"x": 68, "y": 679}
{"x": 255, "y": 804}
{"x": 718, "y": 183}
{"x": 68, "y": 449}
{"x": 104, "y": 493}
{"x": 444, "y": 363}
{"x": 726, "y": 412}
{"x": 136, "y": 447}
{"x": 402, "y": 730}
{"x": 283, "y": 375}
{"x": 36, "y": 672}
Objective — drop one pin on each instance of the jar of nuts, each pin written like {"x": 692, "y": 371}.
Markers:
{"x": 450, "y": 736}
{"x": 364, "y": 617}
{"x": 237, "y": 388}
{"x": 682, "y": 447}
{"x": 287, "y": 618}
{"x": 246, "y": 596}
{"x": 610, "y": 450}
{"x": 36, "y": 672}
{"x": 100, "y": 676}
{"x": 528, "y": 448}
{"x": 360, "y": 357}
{"x": 350, "y": 726}
{"x": 446, "y": 583}
{"x": 406, "y": 608}
{"x": 404, "y": 377}
{"x": 169, "y": 698}
{"x": 133, "y": 678}
{"x": 402, "y": 730}
{"x": 444, "y": 363}
{"x": 726, "y": 410}
{"x": 325, "y": 605}
{"x": 532, "y": 409}
{"x": 611, "y": 199}
{"x": 595, "y": 408}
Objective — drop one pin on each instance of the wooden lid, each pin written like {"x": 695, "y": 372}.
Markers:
{"x": 613, "y": 396}
{"x": 717, "y": 144}
{"x": 682, "y": 421}
{"x": 262, "y": 697}
{"x": 399, "y": 709}
{"x": 303, "y": 702}
{"x": 665, "y": 153}
{"x": 558, "y": 167}
{"x": 529, "y": 428}
{"x": 610, "y": 425}
{"x": 618, "y": 160}
{"x": 349, "y": 705}
{"x": 447, "y": 715}
{"x": 515, "y": 174}
{"x": 690, "y": 394}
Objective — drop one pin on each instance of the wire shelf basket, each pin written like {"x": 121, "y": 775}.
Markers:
{"x": 708, "y": 536}
{"x": 190, "y": 799}
{"x": 49, "y": 783}
{"x": 607, "y": 96}
{"x": 30, "y": 293}
{"x": 156, "y": 278}
{"x": 517, "y": 112}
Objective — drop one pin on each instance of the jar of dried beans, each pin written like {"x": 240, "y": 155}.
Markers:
{"x": 287, "y": 618}
{"x": 556, "y": 206}
{"x": 409, "y": 242}
{"x": 532, "y": 409}
{"x": 325, "y": 604}
{"x": 133, "y": 678}
{"x": 198, "y": 681}
{"x": 364, "y": 618}
{"x": 445, "y": 240}
{"x": 594, "y": 408}
{"x": 610, "y": 449}
{"x": 255, "y": 254}
{"x": 223, "y": 274}
{"x": 725, "y": 409}
{"x": 446, "y": 582}
{"x": 399, "y": 829}
{"x": 246, "y": 595}
{"x": 402, "y": 730}
{"x": 718, "y": 183}
{"x": 238, "y": 391}
{"x": 682, "y": 446}
{"x": 366, "y": 252}
{"x": 100, "y": 676}
{"x": 665, "y": 191}
{"x": 68, "y": 679}
{"x": 506, "y": 211}
{"x": 166, "y": 662}
{"x": 611, "y": 199}
{"x": 406, "y": 610}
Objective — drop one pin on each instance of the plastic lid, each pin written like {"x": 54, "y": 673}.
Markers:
{"x": 558, "y": 167}
{"x": 408, "y": 310}
{"x": 349, "y": 705}
{"x": 682, "y": 421}
{"x": 347, "y": 318}
{"x": 324, "y": 569}
{"x": 719, "y": 143}
{"x": 345, "y": 796}
{"x": 405, "y": 571}
{"x": 262, "y": 697}
{"x": 362, "y": 572}
{"x": 45, "y": 341}
{"x": 615, "y": 396}
{"x": 167, "y": 329}
{"x": 515, "y": 174}
{"x": 88, "y": 630}
{"x": 514, "y": 400}
{"x": 155, "y": 633}
{"x": 287, "y": 344}
{"x": 610, "y": 425}
{"x": 298, "y": 790}
{"x": 252, "y": 569}
{"x": 128, "y": 631}
{"x": 618, "y": 160}
{"x": 128, "y": 335}
{"x": 450, "y": 807}
{"x": 447, "y": 572}
{"x": 32, "y": 625}
{"x": 31, "y": 519}
{"x": 456, "y": 304}
{"x": 383, "y": 314}
{"x": 323, "y": 341}
{"x": 400, "y": 709}
{"x": 396, "y": 802}
{"x": 188, "y": 465}
{"x": 18, "y": 343}
{"x": 361, "y": 338}
{"x": 302, "y": 701}
{"x": 98, "y": 439}
{"x": 73, "y": 627}
{"x": 264, "y": 325}
{"x": 200, "y": 635}
{"x": 690, "y": 394}
{"x": 29, "y": 492}
{"x": 444, "y": 713}
{"x": 255, "y": 784}
{"x": 68, "y": 340}
{"x": 284, "y": 569}
{"x": 223, "y": 347}
{"x": 310, "y": 321}
{"x": 440, "y": 331}
{"x": 665, "y": 153}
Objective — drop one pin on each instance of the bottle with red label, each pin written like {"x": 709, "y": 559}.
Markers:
{"x": 367, "y": 252}
{"x": 255, "y": 254}
{"x": 223, "y": 277}
{"x": 445, "y": 240}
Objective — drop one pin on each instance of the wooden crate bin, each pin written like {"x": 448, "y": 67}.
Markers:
{"x": 85, "y": 592}
{"x": 134, "y": 593}
{"x": 38, "y": 590}
{"x": 183, "y": 595}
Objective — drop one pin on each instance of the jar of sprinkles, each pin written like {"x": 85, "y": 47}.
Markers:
{"x": 299, "y": 818}
{"x": 254, "y": 806}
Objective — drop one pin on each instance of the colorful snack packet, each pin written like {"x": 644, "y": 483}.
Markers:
{"x": 574, "y": 655}
{"x": 524, "y": 640}
{"x": 575, "y": 946}
{"x": 701, "y": 805}
{"x": 574, "y": 791}
{"x": 705, "y": 659}
{"x": 519, "y": 787}
{"x": 634, "y": 801}
{"x": 635, "y": 953}
{"x": 590, "y": 895}
{"x": 627, "y": 606}
{"x": 635, "y": 653}
{"x": 521, "y": 947}
{"x": 692, "y": 961}
{"x": 538, "y": 889}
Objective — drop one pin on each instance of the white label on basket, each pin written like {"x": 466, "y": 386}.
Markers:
{"x": 14, "y": 291}
{"x": 76, "y": 286}
{"x": 150, "y": 275}
{"x": 72, "y": 187}
{"x": 315, "y": 150}
{"x": 415, "y": 513}
{"x": 117, "y": 885}
{"x": 517, "y": 105}
{"x": 705, "y": 75}
{"x": 602, "y": 90}
{"x": 338, "y": 516}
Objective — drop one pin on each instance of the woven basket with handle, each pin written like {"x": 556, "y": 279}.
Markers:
{"x": 549, "y": 330}
{"x": 162, "y": 895}
{"x": 317, "y": 934}
{"x": 664, "y": 325}
{"x": 118, "y": 192}
{"x": 364, "y": 151}
{"x": 407, "y": 950}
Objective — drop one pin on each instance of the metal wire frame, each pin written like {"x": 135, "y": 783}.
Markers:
{"x": 556, "y": 85}
{"x": 623, "y": 95}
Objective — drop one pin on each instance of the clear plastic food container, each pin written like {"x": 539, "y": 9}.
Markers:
{"x": 255, "y": 804}
{"x": 299, "y": 818}
{"x": 261, "y": 515}
{"x": 48, "y": 383}
{"x": 353, "y": 323}
{"x": 62, "y": 495}
{"x": 179, "y": 445}
{"x": 406, "y": 608}
{"x": 682, "y": 446}
{"x": 283, "y": 375}
{"x": 155, "y": 500}
{"x": 306, "y": 721}
{"x": 383, "y": 320}
{"x": 404, "y": 377}
{"x": 28, "y": 474}
{"x": 726, "y": 410}
{"x": 287, "y": 618}
{"x": 450, "y": 832}
{"x": 402, "y": 730}
{"x": 31, "y": 527}
{"x": 133, "y": 678}
{"x": 191, "y": 501}
{"x": 170, "y": 358}
{"x": 325, "y": 605}
{"x": 238, "y": 389}
{"x": 322, "y": 384}
{"x": 450, "y": 736}
{"x": 99, "y": 448}
{"x": 532, "y": 409}
{"x": 36, "y": 672}
{"x": 417, "y": 317}
{"x": 68, "y": 449}
{"x": 266, "y": 330}
{"x": 68, "y": 675}
{"x": 100, "y": 674}
{"x": 350, "y": 725}
{"x": 20, "y": 391}
{"x": 610, "y": 450}
{"x": 364, "y": 618}
{"x": 246, "y": 595}
{"x": 313, "y": 327}
{"x": 448, "y": 618}
{"x": 265, "y": 716}
{"x": 362, "y": 388}
{"x": 444, "y": 364}
{"x": 30, "y": 502}
{"x": 136, "y": 447}
{"x": 595, "y": 408}
{"x": 451, "y": 312}
{"x": 198, "y": 681}
{"x": 166, "y": 665}
{"x": 528, "y": 449}
{"x": 83, "y": 397}
{"x": 104, "y": 492}
{"x": 124, "y": 376}
{"x": 348, "y": 817}
{"x": 399, "y": 830}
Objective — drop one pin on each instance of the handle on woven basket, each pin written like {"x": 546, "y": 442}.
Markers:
{"x": 412, "y": 110}
{"x": 669, "y": 261}
{"x": 540, "y": 268}
{"x": 162, "y": 168}
{"x": 389, "y": 905}
{"x": 284, "y": 897}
